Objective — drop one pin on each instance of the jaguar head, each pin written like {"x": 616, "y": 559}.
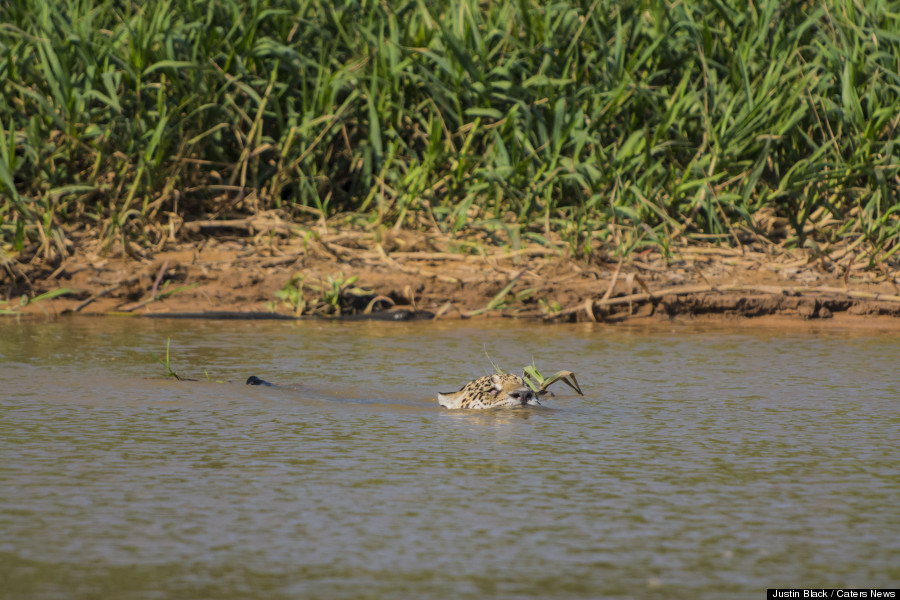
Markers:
{"x": 510, "y": 390}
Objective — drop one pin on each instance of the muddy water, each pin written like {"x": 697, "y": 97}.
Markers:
{"x": 701, "y": 463}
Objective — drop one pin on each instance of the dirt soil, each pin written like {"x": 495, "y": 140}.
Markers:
{"x": 236, "y": 269}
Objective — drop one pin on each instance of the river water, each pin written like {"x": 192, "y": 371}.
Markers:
{"x": 701, "y": 463}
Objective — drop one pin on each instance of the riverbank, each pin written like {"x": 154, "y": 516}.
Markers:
{"x": 557, "y": 130}
{"x": 267, "y": 266}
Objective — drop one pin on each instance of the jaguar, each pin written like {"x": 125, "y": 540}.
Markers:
{"x": 491, "y": 391}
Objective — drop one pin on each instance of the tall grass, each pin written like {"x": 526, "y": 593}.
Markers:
{"x": 632, "y": 123}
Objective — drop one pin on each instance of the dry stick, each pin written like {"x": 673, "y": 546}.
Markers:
{"x": 648, "y": 267}
{"x": 447, "y": 256}
{"x": 249, "y": 224}
{"x": 380, "y": 298}
{"x": 725, "y": 218}
{"x": 615, "y": 279}
{"x": 699, "y": 289}
{"x": 589, "y": 309}
{"x": 334, "y": 238}
{"x": 447, "y": 307}
{"x": 153, "y": 290}
{"x": 629, "y": 284}
{"x": 422, "y": 272}
{"x": 640, "y": 282}
{"x": 214, "y": 187}
{"x": 842, "y": 292}
{"x": 11, "y": 266}
{"x": 411, "y": 296}
{"x": 197, "y": 226}
{"x": 638, "y": 298}
{"x": 98, "y": 295}
{"x": 837, "y": 255}
{"x": 59, "y": 270}
{"x": 159, "y": 276}
{"x": 846, "y": 277}
{"x": 686, "y": 252}
{"x": 589, "y": 304}
{"x": 278, "y": 261}
{"x": 352, "y": 252}
{"x": 537, "y": 251}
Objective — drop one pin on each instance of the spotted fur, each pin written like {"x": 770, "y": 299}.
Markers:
{"x": 491, "y": 391}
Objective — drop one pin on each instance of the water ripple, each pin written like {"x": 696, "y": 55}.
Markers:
{"x": 700, "y": 464}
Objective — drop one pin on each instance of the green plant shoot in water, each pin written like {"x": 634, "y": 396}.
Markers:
{"x": 166, "y": 363}
{"x": 538, "y": 383}
{"x": 535, "y": 380}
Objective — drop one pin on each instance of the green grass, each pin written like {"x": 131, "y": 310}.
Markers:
{"x": 539, "y": 383}
{"x": 634, "y": 125}
{"x": 7, "y": 308}
{"x": 170, "y": 372}
{"x": 331, "y": 296}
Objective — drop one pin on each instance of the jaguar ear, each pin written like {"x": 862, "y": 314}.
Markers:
{"x": 493, "y": 391}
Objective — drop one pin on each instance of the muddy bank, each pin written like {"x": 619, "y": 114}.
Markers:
{"x": 353, "y": 273}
